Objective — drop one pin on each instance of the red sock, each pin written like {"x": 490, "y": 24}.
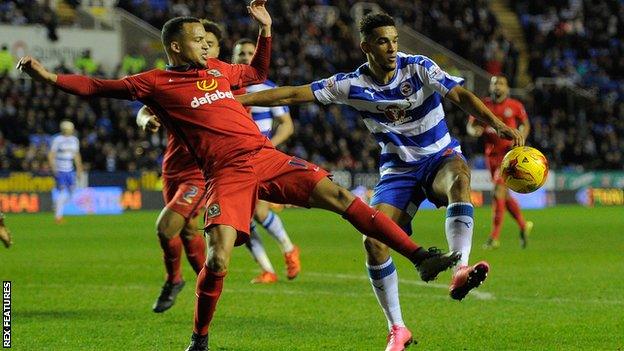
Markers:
{"x": 514, "y": 208}
{"x": 499, "y": 212}
{"x": 377, "y": 225}
{"x": 195, "y": 249}
{"x": 208, "y": 290}
{"x": 172, "y": 249}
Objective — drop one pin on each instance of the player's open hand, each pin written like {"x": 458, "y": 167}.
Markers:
{"x": 5, "y": 235}
{"x": 512, "y": 134}
{"x": 34, "y": 68}
{"x": 259, "y": 12}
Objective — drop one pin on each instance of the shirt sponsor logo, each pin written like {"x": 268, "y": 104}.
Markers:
{"x": 209, "y": 98}
{"x": 394, "y": 113}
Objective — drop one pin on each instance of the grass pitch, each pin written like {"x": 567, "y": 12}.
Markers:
{"x": 90, "y": 284}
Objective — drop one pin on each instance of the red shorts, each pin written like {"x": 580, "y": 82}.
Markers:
{"x": 269, "y": 175}
{"x": 184, "y": 197}
{"x": 494, "y": 165}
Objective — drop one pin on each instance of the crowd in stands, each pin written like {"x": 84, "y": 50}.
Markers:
{"x": 575, "y": 131}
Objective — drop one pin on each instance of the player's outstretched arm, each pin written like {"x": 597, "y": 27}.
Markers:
{"x": 287, "y": 95}
{"x": 146, "y": 120}
{"x": 472, "y": 105}
{"x": 73, "y": 83}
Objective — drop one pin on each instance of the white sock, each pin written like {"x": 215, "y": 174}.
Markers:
{"x": 459, "y": 226}
{"x": 273, "y": 225}
{"x": 385, "y": 282}
{"x": 257, "y": 250}
{"x": 61, "y": 199}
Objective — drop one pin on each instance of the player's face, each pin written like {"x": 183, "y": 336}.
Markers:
{"x": 192, "y": 46}
{"x": 213, "y": 45}
{"x": 499, "y": 87}
{"x": 382, "y": 47}
{"x": 243, "y": 53}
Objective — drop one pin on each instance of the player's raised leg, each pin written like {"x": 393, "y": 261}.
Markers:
{"x": 221, "y": 239}
{"x": 168, "y": 228}
{"x": 274, "y": 226}
{"x": 255, "y": 246}
{"x": 373, "y": 223}
{"x": 453, "y": 182}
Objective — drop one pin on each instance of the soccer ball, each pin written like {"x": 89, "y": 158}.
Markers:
{"x": 524, "y": 169}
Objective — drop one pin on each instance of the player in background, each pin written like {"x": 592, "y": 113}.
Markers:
{"x": 195, "y": 103}
{"x": 511, "y": 112}
{"x": 399, "y": 96}
{"x": 65, "y": 163}
{"x": 265, "y": 118}
{"x": 5, "y": 234}
{"x": 184, "y": 190}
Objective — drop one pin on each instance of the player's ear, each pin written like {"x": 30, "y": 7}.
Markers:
{"x": 175, "y": 47}
{"x": 365, "y": 46}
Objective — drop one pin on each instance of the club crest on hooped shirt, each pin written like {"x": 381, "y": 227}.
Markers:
{"x": 406, "y": 88}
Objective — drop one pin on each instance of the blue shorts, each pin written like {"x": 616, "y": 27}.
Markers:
{"x": 406, "y": 191}
{"x": 65, "y": 180}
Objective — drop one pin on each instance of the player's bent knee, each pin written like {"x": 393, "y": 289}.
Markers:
{"x": 217, "y": 262}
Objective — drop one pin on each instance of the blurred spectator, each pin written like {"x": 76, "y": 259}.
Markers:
{"x": 7, "y": 62}
{"x": 86, "y": 64}
{"x": 132, "y": 63}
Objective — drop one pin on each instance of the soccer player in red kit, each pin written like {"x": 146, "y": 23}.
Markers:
{"x": 195, "y": 103}
{"x": 512, "y": 112}
{"x": 183, "y": 183}
{"x": 5, "y": 234}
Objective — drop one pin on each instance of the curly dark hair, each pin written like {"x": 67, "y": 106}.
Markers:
{"x": 372, "y": 21}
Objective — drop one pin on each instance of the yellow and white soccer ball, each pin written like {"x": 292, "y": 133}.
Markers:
{"x": 524, "y": 169}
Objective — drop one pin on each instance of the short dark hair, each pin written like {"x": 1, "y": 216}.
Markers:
{"x": 243, "y": 41}
{"x": 212, "y": 27}
{"x": 372, "y": 21}
{"x": 173, "y": 27}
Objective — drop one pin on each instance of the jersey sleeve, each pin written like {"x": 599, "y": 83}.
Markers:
{"x": 141, "y": 85}
{"x": 334, "y": 89}
{"x": 435, "y": 78}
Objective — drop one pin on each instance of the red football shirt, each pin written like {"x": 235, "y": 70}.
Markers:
{"x": 177, "y": 162}
{"x": 196, "y": 105}
{"x": 510, "y": 111}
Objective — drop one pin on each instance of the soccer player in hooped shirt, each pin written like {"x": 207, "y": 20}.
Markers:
{"x": 264, "y": 118}
{"x": 184, "y": 187}
{"x": 195, "y": 103}
{"x": 5, "y": 234}
{"x": 400, "y": 99}
{"x": 510, "y": 111}
{"x": 64, "y": 153}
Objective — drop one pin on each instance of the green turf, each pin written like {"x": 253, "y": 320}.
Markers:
{"x": 89, "y": 285}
